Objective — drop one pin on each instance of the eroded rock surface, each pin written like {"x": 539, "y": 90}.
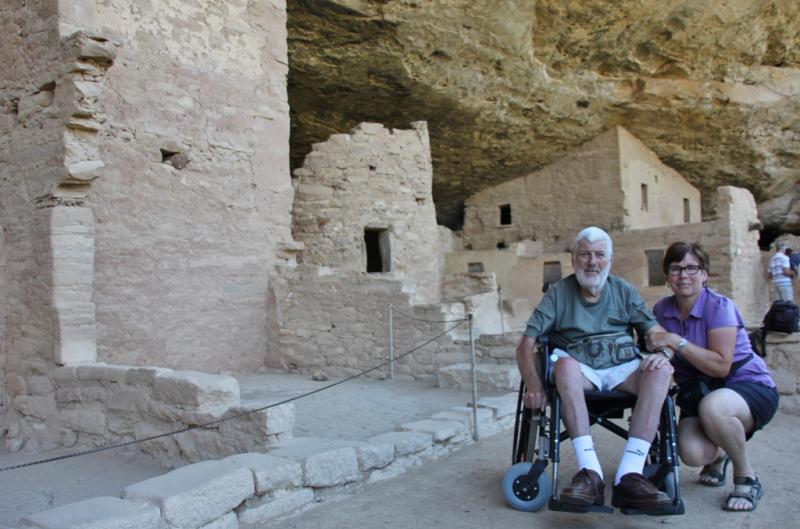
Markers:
{"x": 713, "y": 89}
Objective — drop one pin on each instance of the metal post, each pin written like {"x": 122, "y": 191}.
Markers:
{"x": 474, "y": 381}
{"x": 500, "y": 301}
{"x": 391, "y": 342}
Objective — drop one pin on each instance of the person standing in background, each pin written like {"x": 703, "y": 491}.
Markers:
{"x": 780, "y": 272}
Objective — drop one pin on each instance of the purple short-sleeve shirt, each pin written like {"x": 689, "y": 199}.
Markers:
{"x": 711, "y": 311}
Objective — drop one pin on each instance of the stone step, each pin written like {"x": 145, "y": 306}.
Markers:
{"x": 195, "y": 494}
{"x": 490, "y": 377}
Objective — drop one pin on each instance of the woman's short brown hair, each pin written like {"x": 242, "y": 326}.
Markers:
{"x": 678, "y": 250}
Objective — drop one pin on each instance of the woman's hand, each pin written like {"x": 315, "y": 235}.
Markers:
{"x": 660, "y": 339}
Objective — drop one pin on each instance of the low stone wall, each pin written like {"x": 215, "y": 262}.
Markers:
{"x": 338, "y": 324}
{"x": 252, "y": 488}
{"x": 783, "y": 359}
{"x": 99, "y": 404}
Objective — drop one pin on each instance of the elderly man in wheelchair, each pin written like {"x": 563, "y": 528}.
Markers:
{"x": 587, "y": 318}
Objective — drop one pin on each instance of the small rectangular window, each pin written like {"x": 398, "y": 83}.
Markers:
{"x": 376, "y": 241}
{"x": 551, "y": 272}
{"x": 644, "y": 197}
{"x": 475, "y": 268}
{"x": 655, "y": 274}
{"x": 505, "y": 215}
{"x": 687, "y": 212}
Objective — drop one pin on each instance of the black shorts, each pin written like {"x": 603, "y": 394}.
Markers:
{"x": 762, "y": 401}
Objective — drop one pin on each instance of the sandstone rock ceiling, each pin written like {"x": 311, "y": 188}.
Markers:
{"x": 507, "y": 86}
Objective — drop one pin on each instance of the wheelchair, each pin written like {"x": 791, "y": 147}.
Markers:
{"x": 538, "y": 438}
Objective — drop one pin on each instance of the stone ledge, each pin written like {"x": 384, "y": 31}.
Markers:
{"x": 103, "y": 512}
{"x": 252, "y": 488}
{"x": 195, "y": 494}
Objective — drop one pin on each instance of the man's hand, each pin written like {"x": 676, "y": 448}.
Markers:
{"x": 655, "y": 361}
{"x": 534, "y": 397}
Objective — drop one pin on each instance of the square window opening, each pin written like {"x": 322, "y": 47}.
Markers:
{"x": 475, "y": 268}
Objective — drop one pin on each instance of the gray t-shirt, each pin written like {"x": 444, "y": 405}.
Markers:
{"x": 567, "y": 318}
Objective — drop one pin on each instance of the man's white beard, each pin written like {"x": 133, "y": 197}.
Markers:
{"x": 594, "y": 284}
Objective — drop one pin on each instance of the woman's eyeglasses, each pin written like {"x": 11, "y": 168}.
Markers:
{"x": 691, "y": 270}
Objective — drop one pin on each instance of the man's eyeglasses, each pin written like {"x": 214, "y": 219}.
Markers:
{"x": 689, "y": 269}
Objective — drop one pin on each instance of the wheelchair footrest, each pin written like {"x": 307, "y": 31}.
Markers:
{"x": 555, "y": 505}
{"x": 675, "y": 508}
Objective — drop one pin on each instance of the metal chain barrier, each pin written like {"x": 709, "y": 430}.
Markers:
{"x": 243, "y": 414}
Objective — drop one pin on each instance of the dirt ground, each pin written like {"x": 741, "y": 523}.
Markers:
{"x": 355, "y": 410}
{"x": 460, "y": 490}
{"x": 464, "y": 490}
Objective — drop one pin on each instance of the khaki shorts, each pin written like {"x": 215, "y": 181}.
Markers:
{"x": 605, "y": 379}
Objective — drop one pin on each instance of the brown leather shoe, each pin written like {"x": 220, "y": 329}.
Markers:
{"x": 637, "y": 492}
{"x": 586, "y": 488}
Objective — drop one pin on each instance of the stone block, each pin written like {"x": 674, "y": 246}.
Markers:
{"x": 463, "y": 414}
{"x": 195, "y": 494}
{"x": 441, "y": 431}
{"x": 229, "y": 521}
{"x": 85, "y": 421}
{"x": 270, "y": 473}
{"x": 39, "y": 385}
{"x": 489, "y": 376}
{"x": 325, "y": 463}
{"x": 786, "y": 382}
{"x": 790, "y": 404}
{"x": 39, "y": 406}
{"x": 260, "y": 510}
{"x": 196, "y": 389}
{"x": 65, "y": 374}
{"x": 259, "y": 425}
{"x": 126, "y": 399}
{"x": 98, "y": 513}
{"x": 16, "y": 385}
{"x": 373, "y": 455}
{"x": 145, "y": 376}
{"x": 502, "y": 406}
{"x": 82, "y": 394}
{"x": 404, "y": 442}
{"x": 102, "y": 372}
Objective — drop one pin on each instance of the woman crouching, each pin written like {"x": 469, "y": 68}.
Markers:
{"x": 727, "y": 393}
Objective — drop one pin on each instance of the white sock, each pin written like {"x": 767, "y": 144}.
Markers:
{"x": 586, "y": 454}
{"x": 633, "y": 458}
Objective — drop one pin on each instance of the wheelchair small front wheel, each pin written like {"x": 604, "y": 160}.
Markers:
{"x": 522, "y": 493}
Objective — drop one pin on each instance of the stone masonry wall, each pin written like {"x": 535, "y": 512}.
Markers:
{"x": 4, "y": 300}
{"x": 372, "y": 178}
{"x": 596, "y": 184}
{"x": 731, "y": 240}
{"x": 337, "y": 324}
{"x": 665, "y": 192}
{"x": 194, "y": 203}
{"x": 31, "y": 151}
{"x": 543, "y": 204}
{"x": 97, "y": 404}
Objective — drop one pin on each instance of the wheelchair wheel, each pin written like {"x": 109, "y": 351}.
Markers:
{"x": 521, "y": 494}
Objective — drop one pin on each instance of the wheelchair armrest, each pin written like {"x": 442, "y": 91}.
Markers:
{"x": 543, "y": 363}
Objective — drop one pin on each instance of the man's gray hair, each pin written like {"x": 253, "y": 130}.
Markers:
{"x": 593, "y": 234}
